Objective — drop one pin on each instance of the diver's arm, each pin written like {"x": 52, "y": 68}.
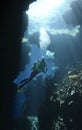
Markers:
{"x": 45, "y": 67}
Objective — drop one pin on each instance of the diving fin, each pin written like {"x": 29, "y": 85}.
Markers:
{"x": 19, "y": 90}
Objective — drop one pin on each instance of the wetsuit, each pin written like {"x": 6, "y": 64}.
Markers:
{"x": 39, "y": 66}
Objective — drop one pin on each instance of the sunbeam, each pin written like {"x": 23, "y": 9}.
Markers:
{"x": 41, "y": 8}
{"x": 44, "y": 38}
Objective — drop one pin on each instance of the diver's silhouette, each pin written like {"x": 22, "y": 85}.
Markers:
{"x": 39, "y": 66}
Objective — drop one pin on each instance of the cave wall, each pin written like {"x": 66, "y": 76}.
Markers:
{"x": 12, "y": 27}
{"x": 73, "y": 16}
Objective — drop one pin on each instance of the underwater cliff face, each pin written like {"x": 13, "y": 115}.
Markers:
{"x": 74, "y": 16}
{"x": 11, "y": 33}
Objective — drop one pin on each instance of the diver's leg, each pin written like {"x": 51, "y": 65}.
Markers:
{"x": 22, "y": 81}
{"x": 33, "y": 74}
{"x": 21, "y": 85}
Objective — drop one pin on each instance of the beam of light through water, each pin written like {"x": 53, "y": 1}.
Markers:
{"x": 47, "y": 13}
{"x": 41, "y": 8}
{"x": 44, "y": 39}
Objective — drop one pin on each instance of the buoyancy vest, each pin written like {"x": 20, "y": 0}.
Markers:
{"x": 39, "y": 66}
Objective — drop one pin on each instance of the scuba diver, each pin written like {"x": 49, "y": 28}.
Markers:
{"x": 39, "y": 66}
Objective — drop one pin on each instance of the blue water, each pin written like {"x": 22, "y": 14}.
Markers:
{"x": 36, "y": 54}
